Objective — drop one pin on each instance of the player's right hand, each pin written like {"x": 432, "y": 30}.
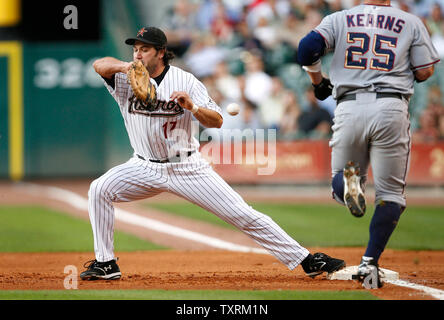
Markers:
{"x": 126, "y": 66}
{"x": 323, "y": 90}
{"x": 183, "y": 99}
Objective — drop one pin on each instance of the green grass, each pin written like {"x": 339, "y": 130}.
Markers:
{"x": 189, "y": 210}
{"x": 184, "y": 295}
{"x": 37, "y": 229}
{"x": 420, "y": 227}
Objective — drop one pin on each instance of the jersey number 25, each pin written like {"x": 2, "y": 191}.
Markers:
{"x": 384, "y": 58}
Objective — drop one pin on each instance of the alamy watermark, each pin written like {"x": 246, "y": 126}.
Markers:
{"x": 255, "y": 148}
{"x": 71, "y": 21}
{"x": 372, "y": 279}
{"x": 247, "y": 147}
{"x": 70, "y": 281}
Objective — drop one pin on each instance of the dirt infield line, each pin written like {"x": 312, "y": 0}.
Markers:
{"x": 436, "y": 293}
{"x": 79, "y": 202}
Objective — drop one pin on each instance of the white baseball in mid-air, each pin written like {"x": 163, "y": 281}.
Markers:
{"x": 233, "y": 109}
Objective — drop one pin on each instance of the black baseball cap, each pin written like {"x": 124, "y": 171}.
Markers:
{"x": 149, "y": 35}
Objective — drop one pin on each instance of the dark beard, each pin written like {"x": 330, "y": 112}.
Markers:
{"x": 150, "y": 69}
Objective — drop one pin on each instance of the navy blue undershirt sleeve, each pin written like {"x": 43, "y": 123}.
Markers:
{"x": 111, "y": 81}
{"x": 311, "y": 48}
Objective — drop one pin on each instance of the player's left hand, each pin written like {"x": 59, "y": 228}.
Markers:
{"x": 139, "y": 79}
{"x": 323, "y": 90}
{"x": 183, "y": 99}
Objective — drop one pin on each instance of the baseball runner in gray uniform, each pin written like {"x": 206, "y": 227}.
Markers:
{"x": 166, "y": 159}
{"x": 379, "y": 51}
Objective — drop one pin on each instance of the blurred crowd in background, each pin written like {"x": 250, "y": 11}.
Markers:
{"x": 244, "y": 51}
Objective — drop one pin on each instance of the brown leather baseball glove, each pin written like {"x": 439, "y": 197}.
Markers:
{"x": 139, "y": 79}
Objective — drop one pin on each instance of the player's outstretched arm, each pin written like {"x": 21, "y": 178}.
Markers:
{"x": 208, "y": 118}
{"x": 108, "y": 66}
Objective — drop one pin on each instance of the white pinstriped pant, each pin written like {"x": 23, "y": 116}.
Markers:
{"x": 193, "y": 180}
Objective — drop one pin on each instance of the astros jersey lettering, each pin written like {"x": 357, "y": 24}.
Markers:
{"x": 166, "y": 128}
{"x": 376, "y": 49}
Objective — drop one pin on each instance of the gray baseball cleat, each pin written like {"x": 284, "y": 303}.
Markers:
{"x": 353, "y": 195}
{"x": 369, "y": 274}
{"x": 101, "y": 270}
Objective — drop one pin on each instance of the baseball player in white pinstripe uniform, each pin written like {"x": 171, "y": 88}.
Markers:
{"x": 166, "y": 159}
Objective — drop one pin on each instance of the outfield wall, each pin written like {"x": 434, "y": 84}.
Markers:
{"x": 309, "y": 162}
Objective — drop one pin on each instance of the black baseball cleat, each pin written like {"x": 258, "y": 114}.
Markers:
{"x": 353, "y": 195}
{"x": 101, "y": 270}
{"x": 369, "y": 274}
{"x": 318, "y": 263}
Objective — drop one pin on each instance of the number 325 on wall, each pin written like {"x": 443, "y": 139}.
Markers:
{"x": 384, "y": 57}
{"x": 70, "y": 73}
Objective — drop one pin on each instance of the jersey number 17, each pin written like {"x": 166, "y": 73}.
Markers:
{"x": 165, "y": 128}
{"x": 384, "y": 57}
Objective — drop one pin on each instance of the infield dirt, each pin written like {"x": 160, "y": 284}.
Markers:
{"x": 214, "y": 270}
{"x": 196, "y": 266}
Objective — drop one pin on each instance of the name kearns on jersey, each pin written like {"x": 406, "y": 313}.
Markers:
{"x": 160, "y": 109}
{"x": 375, "y": 21}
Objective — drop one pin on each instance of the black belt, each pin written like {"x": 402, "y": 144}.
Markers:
{"x": 352, "y": 96}
{"x": 177, "y": 158}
